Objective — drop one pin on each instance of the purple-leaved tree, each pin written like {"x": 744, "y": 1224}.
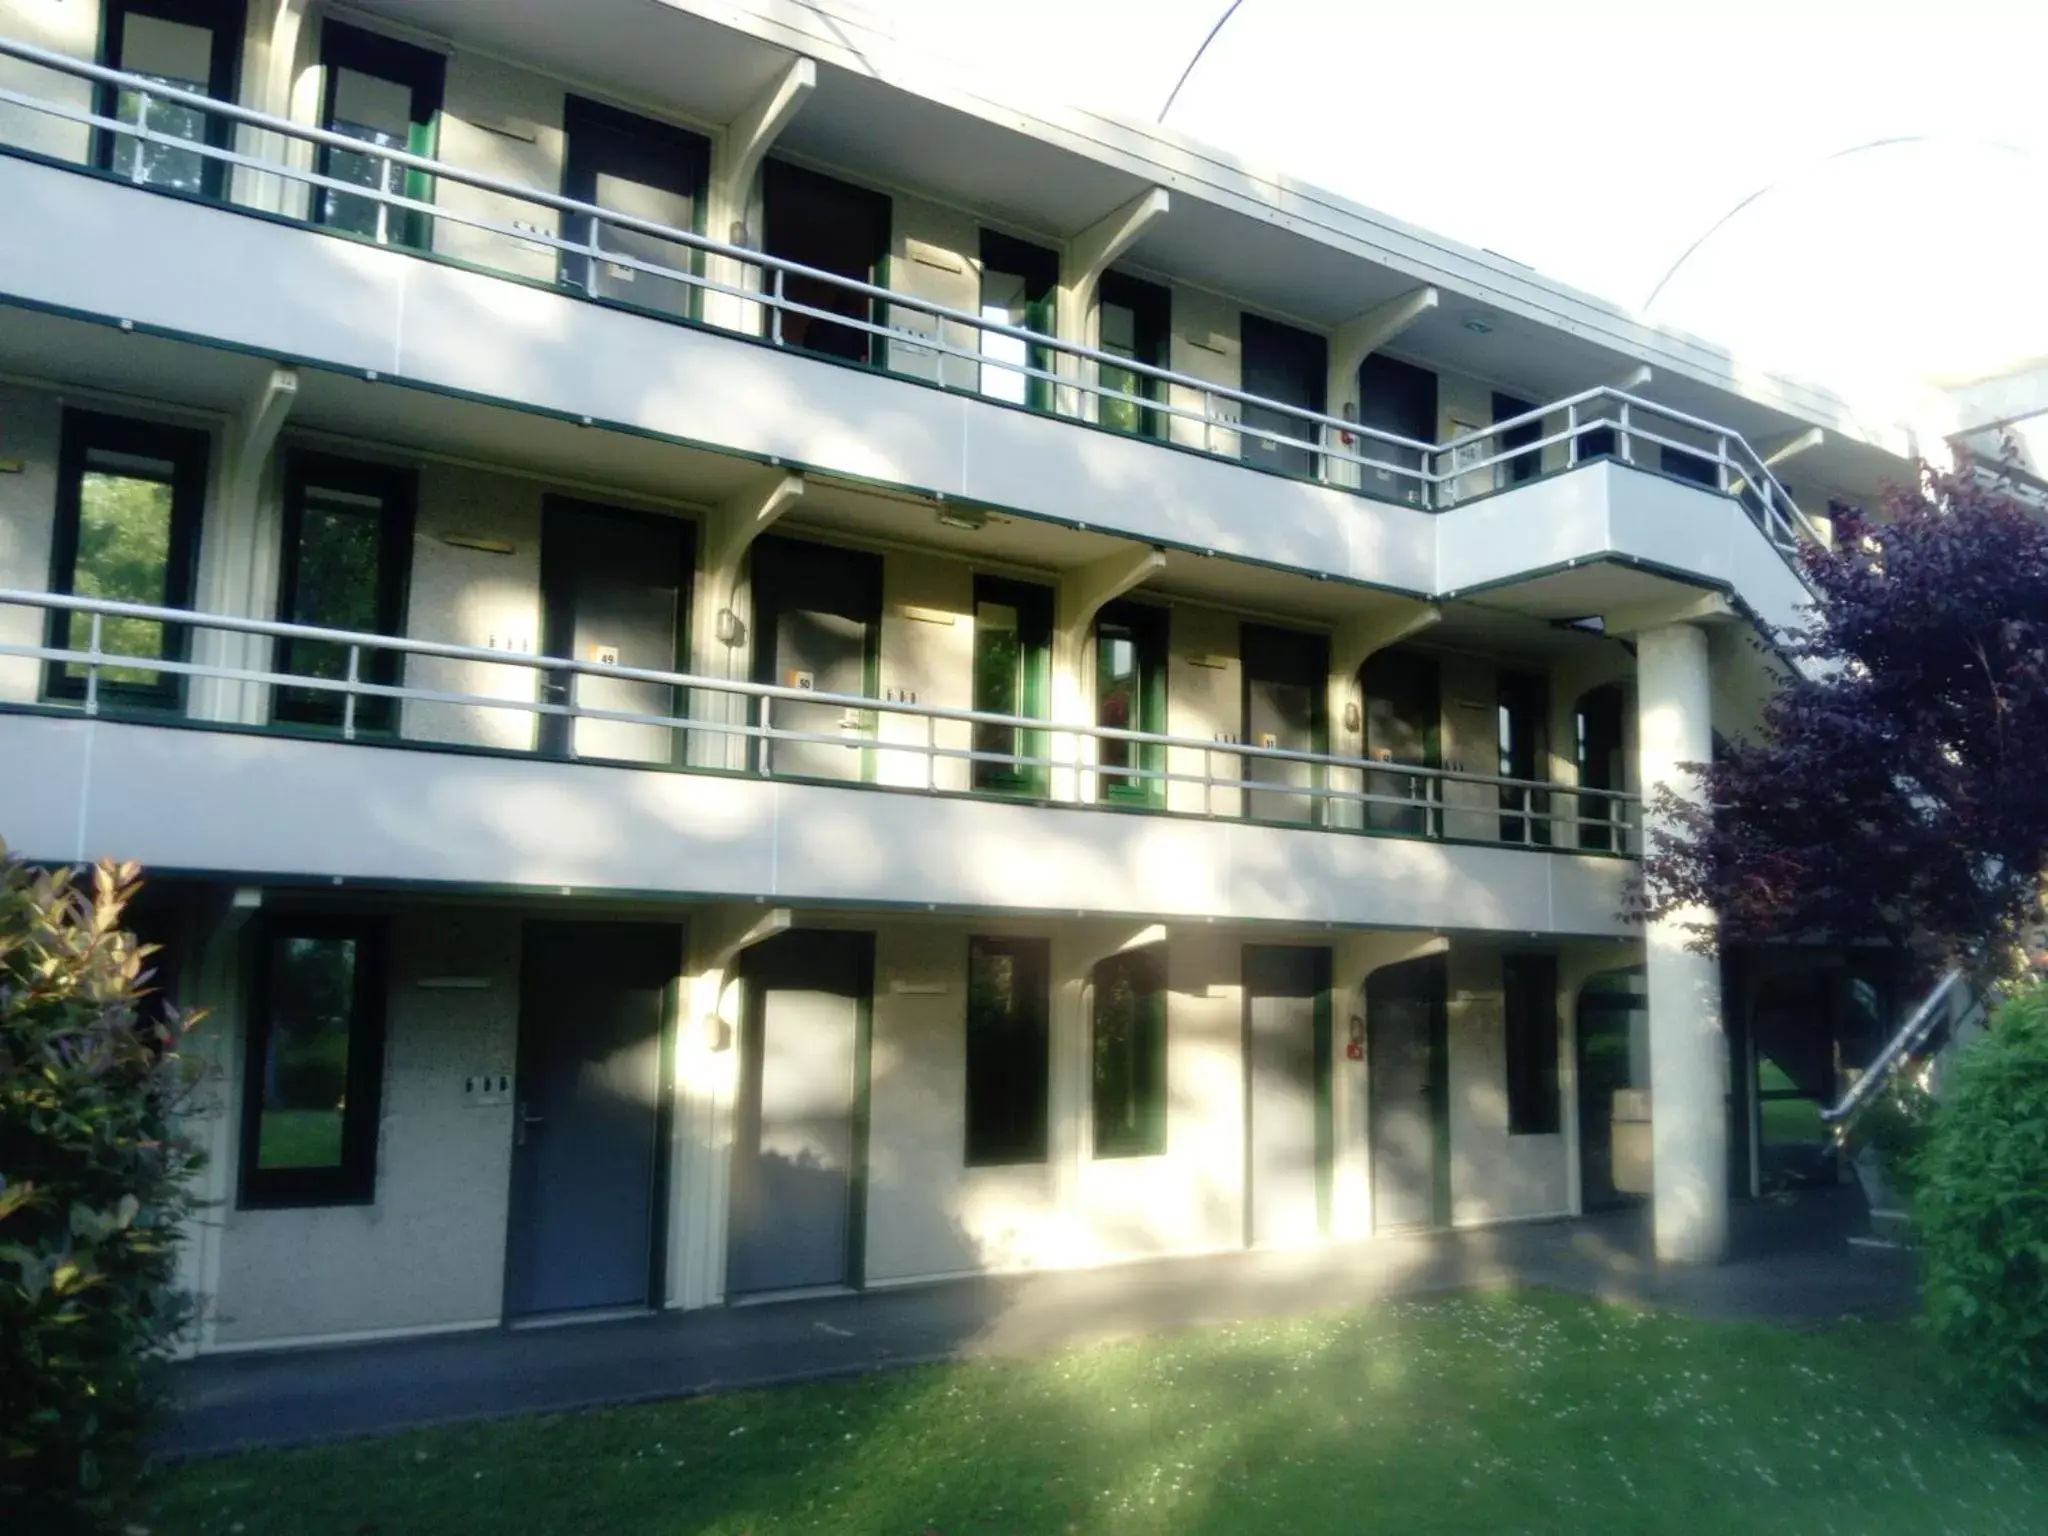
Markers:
{"x": 1898, "y": 789}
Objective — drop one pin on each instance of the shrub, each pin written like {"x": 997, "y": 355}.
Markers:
{"x": 1981, "y": 1212}
{"x": 93, "y": 1188}
{"x": 1896, "y": 1126}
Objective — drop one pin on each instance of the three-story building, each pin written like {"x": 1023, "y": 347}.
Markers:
{"x": 741, "y": 670}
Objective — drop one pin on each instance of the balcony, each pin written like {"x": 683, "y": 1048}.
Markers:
{"x": 706, "y": 354}
{"x": 672, "y": 784}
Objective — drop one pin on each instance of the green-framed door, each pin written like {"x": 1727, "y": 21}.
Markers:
{"x": 1130, "y": 695}
{"x": 1012, "y": 676}
{"x": 388, "y": 95}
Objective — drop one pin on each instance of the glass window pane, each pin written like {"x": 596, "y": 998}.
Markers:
{"x": 124, "y": 552}
{"x": 1003, "y": 302}
{"x": 1129, "y": 1050}
{"x": 1117, "y": 702}
{"x": 175, "y": 54}
{"x": 998, "y": 681}
{"x": 1008, "y": 1044}
{"x": 379, "y": 112}
{"x": 305, "y": 1066}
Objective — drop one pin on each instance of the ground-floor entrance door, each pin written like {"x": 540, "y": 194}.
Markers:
{"x": 588, "y": 1116}
{"x": 799, "y": 1138}
{"x": 1287, "y": 1094}
{"x": 1407, "y": 1098}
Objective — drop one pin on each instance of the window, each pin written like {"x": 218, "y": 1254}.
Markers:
{"x": 1130, "y": 695}
{"x": 347, "y": 555}
{"x": 1133, "y": 320}
{"x": 829, "y": 225}
{"x": 1686, "y": 464}
{"x": 315, "y": 1064}
{"x": 1527, "y": 463}
{"x": 1524, "y": 754}
{"x": 1012, "y": 675}
{"x": 1529, "y": 1021}
{"x": 387, "y": 94}
{"x": 1129, "y": 1050}
{"x": 1009, "y": 1042}
{"x": 129, "y": 499}
{"x": 1019, "y": 282}
{"x": 1601, "y": 760}
{"x": 191, "y": 45}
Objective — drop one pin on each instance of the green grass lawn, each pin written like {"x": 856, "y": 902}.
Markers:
{"x": 1527, "y": 1412}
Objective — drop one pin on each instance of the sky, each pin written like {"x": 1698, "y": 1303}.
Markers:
{"x": 1596, "y": 140}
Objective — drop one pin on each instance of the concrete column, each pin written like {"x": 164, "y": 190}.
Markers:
{"x": 1688, "y": 1050}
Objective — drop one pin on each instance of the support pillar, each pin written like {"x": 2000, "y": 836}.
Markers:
{"x": 1688, "y": 1048}
{"x": 729, "y": 199}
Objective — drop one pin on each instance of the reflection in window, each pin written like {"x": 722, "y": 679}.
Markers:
{"x": 348, "y": 538}
{"x": 171, "y": 53}
{"x": 385, "y": 94}
{"x": 314, "y": 1062}
{"x": 305, "y": 1068}
{"x": 129, "y": 495}
{"x": 1008, "y": 1050}
{"x": 1130, "y": 695}
{"x": 1012, "y": 660}
{"x": 1129, "y": 1051}
{"x": 1132, "y": 321}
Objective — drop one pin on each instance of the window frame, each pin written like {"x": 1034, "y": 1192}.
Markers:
{"x": 397, "y": 489}
{"x": 1151, "y": 307}
{"x": 1038, "y": 268}
{"x": 423, "y": 73}
{"x": 228, "y": 21}
{"x": 1034, "y": 605}
{"x": 190, "y": 452}
{"x": 1149, "y": 963}
{"x": 1033, "y": 958}
{"x": 1531, "y": 1043}
{"x": 353, "y": 1180}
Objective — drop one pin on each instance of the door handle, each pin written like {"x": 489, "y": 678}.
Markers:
{"x": 526, "y": 1117}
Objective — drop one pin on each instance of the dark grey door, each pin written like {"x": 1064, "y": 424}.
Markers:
{"x": 587, "y": 1116}
{"x": 817, "y": 610}
{"x": 1286, "y": 686}
{"x": 647, "y": 170}
{"x": 1403, "y": 725}
{"x": 1407, "y": 1098}
{"x": 1397, "y": 398}
{"x": 1287, "y": 1094}
{"x": 798, "y": 1143}
{"x": 615, "y": 588}
{"x": 1292, "y": 367}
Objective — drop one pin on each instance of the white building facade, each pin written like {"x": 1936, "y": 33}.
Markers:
{"x": 740, "y": 672}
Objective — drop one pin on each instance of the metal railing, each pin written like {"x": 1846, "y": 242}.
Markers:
{"x": 1935, "y": 1009}
{"x": 753, "y": 288}
{"x": 724, "y": 725}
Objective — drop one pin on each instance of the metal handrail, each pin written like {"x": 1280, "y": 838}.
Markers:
{"x": 1920, "y": 1023}
{"x": 1322, "y": 436}
{"x": 1617, "y": 812}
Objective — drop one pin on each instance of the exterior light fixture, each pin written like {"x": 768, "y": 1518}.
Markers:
{"x": 1478, "y": 324}
{"x": 968, "y": 519}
